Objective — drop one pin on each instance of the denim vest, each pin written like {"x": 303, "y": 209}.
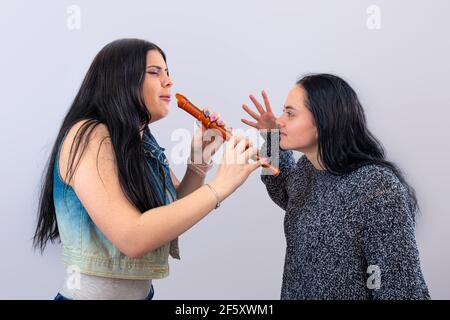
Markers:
{"x": 86, "y": 247}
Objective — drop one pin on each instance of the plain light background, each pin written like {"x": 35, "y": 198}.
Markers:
{"x": 218, "y": 53}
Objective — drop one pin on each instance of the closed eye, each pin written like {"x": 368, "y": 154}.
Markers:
{"x": 157, "y": 70}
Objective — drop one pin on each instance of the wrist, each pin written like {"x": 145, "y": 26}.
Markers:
{"x": 199, "y": 169}
{"x": 220, "y": 188}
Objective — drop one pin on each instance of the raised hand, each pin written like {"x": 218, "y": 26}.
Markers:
{"x": 265, "y": 119}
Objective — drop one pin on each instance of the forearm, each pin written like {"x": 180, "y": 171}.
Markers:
{"x": 190, "y": 182}
{"x": 159, "y": 226}
{"x": 276, "y": 186}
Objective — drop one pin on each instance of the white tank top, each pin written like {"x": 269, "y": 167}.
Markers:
{"x": 88, "y": 287}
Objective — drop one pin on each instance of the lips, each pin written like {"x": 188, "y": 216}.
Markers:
{"x": 165, "y": 97}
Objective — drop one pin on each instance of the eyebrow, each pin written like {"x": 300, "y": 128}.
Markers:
{"x": 289, "y": 107}
{"x": 157, "y": 67}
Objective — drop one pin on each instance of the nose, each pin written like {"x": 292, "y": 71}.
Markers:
{"x": 167, "y": 82}
{"x": 279, "y": 121}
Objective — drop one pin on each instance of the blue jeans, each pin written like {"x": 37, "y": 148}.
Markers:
{"x": 149, "y": 297}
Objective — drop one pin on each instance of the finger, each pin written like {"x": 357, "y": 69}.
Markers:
{"x": 230, "y": 154}
{"x": 242, "y": 145}
{"x": 212, "y": 135}
{"x": 200, "y": 132}
{"x": 249, "y": 154}
{"x": 208, "y": 152}
{"x": 249, "y": 123}
{"x": 256, "y": 156}
{"x": 229, "y": 147}
{"x": 213, "y": 146}
{"x": 257, "y": 104}
{"x": 250, "y": 112}
{"x": 249, "y": 143}
{"x": 266, "y": 101}
{"x": 217, "y": 139}
{"x": 253, "y": 166}
{"x": 234, "y": 140}
{"x": 219, "y": 142}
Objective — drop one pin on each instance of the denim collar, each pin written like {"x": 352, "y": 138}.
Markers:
{"x": 152, "y": 148}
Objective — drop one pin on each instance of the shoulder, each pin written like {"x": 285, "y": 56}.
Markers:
{"x": 89, "y": 132}
{"x": 93, "y": 130}
{"x": 300, "y": 173}
{"x": 376, "y": 178}
{"x": 304, "y": 166}
{"x": 303, "y": 162}
{"x": 367, "y": 182}
{"x": 378, "y": 185}
{"x": 85, "y": 140}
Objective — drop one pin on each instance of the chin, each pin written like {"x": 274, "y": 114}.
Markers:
{"x": 284, "y": 146}
{"x": 156, "y": 117}
{"x": 163, "y": 112}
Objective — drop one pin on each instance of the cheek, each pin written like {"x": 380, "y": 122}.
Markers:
{"x": 303, "y": 133}
{"x": 148, "y": 92}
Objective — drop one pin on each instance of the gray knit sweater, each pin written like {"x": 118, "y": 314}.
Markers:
{"x": 349, "y": 236}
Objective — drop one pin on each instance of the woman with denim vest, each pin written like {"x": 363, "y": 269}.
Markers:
{"x": 109, "y": 194}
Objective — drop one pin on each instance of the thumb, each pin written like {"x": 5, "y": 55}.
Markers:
{"x": 199, "y": 131}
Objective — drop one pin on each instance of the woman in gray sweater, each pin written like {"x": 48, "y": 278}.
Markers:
{"x": 350, "y": 214}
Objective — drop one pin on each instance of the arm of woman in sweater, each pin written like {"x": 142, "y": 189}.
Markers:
{"x": 276, "y": 186}
{"x": 390, "y": 247}
{"x": 268, "y": 129}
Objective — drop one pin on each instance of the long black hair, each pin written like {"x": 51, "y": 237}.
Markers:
{"x": 344, "y": 141}
{"x": 110, "y": 94}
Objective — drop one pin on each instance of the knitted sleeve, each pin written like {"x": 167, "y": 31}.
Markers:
{"x": 390, "y": 247}
{"x": 277, "y": 186}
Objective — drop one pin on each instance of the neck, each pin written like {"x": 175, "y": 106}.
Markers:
{"x": 313, "y": 157}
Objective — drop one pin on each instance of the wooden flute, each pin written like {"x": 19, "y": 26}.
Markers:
{"x": 189, "y": 107}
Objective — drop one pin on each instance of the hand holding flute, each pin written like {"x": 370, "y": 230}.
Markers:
{"x": 209, "y": 122}
{"x": 234, "y": 168}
